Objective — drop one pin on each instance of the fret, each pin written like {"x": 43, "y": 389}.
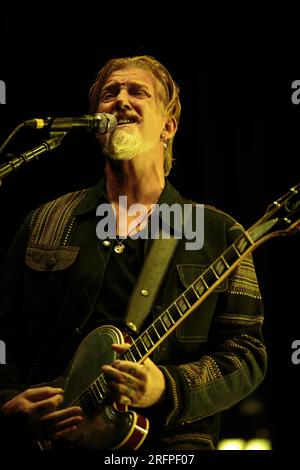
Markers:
{"x": 163, "y": 324}
{"x": 170, "y": 316}
{"x": 209, "y": 277}
{"x": 204, "y": 282}
{"x": 183, "y": 295}
{"x": 93, "y": 393}
{"x": 152, "y": 330}
{"x": 100, "y": 387}
{"x": 147, "y": 340}
{"x": 96, "y": 385}
{"x": 224, "y": 261}
{"x": 175, "y": 313}
{"x": 196, "y": 293}
{"x": 149, "y": 337}
{"x": 214, "y": 271}
{"x": 236, "y": 250}
{"x": 96, "y": 395}
{"x": 128, "y": 354}
{"x": 160, "y": 327}
{"x": 232, "y": 254}
{"x": 135, "y": 347}
{"x": 156, "y": 331}
{"x": 141, "y": 344}
{"x": 96, "y": 390}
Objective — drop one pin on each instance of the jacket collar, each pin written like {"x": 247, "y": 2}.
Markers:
{"x": 97, "y": 195}
{"x": 94, "y": 196}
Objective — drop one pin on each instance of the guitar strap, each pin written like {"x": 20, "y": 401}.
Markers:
{"x": 149, "y": 281}
{"x": 151, "y": 277}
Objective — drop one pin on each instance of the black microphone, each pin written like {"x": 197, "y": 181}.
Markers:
{"x": 100, "y": 122}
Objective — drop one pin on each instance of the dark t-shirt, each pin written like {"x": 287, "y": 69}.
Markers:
{"x": 119, "y": 279}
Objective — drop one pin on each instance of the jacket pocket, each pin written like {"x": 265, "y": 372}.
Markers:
{"x": 46, "y": 258}
{"x": 46, "y": 285}
{"x": 196, "y": 326}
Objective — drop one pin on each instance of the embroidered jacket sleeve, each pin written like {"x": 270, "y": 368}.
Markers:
{"x": 234, "y": 361}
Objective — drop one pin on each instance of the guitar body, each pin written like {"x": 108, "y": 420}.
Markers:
{"x": 105, "y": 426}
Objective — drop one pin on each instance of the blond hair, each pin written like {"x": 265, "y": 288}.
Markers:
{"x": 170, "y": 96}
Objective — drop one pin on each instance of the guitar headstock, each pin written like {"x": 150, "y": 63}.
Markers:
{"x": 281, "y": 218}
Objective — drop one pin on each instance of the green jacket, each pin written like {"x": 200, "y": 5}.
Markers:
{"x": 214, "y": 359}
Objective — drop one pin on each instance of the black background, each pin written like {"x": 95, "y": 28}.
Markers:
{"x": 237, "y": 148}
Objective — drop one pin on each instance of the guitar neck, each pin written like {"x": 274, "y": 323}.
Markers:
{"x": 190, "y": 299}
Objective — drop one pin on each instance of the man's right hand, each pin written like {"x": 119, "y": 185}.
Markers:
{"x": 39, "y": 408}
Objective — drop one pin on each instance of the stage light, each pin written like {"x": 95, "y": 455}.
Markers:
{"x": 232, "y": 444}
{"x": 242, "y": 444}
{"x": 258, "y": 444}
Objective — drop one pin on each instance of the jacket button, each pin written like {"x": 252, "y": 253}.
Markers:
{"x": 51, "y": 262}
{"x": 106, "y": 243}
{"x": 144, "y": 292}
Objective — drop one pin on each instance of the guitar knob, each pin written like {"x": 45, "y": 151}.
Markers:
{"x": 50, "y": 262}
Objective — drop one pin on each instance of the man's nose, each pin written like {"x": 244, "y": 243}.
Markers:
{"x": 122, "y": 100}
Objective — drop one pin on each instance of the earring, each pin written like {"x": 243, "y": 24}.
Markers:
{"x": 165, "y": 145}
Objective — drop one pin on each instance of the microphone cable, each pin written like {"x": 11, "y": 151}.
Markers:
{"x": 11, "y": 136}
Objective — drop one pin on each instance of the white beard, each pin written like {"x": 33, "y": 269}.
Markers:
{"x": 124, "y": 144}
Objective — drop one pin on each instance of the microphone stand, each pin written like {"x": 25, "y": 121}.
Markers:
{"x": 16, "y": 162}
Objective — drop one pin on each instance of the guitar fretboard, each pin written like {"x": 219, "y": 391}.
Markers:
{"x": 93, "y": 396}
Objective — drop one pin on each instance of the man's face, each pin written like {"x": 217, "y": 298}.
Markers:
{"x": 132, "y": 94}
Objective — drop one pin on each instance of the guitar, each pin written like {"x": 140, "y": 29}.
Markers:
{"x": 107, "y": 425}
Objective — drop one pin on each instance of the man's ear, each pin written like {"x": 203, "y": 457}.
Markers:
{"x": 169, "y": 130}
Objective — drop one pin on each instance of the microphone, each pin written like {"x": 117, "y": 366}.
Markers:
{"x": 100, "y": 122}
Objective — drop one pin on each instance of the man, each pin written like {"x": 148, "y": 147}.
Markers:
{"x": 61, "y": 278}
